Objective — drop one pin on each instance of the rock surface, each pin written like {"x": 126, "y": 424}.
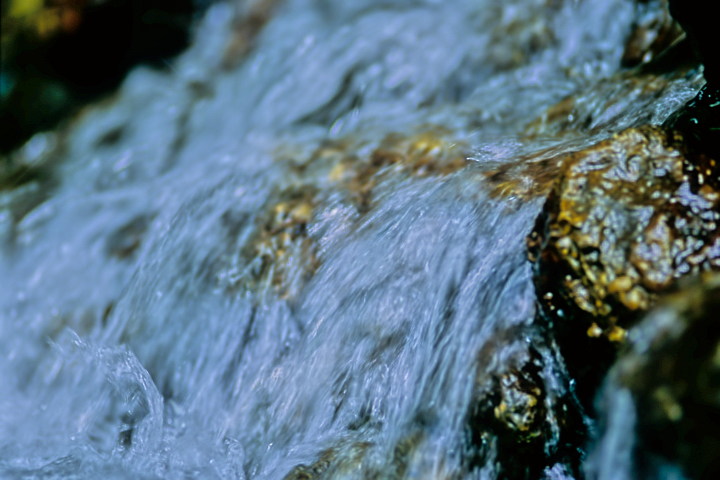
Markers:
{"x": 626, "y": 220}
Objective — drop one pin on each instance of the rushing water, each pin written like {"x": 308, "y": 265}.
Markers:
{"x": 140, "y": 339}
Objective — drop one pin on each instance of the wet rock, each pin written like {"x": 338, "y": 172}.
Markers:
{"x": 526, "y": 409}
{"x": 126, "y": 240}
{"x": 316, "y": 470}
{"x": 353, "y": 457}
{"x": 280, "y": 254}
{"x": 27, "y": 178}
{"x": 525, "y": 32}
{"x": 671, "y": 371}
{"x": 512, "y": 418}
{"x": 627, "y": 218}
{"x": 427, "y": 153}
{"x": 626, "y": 99}
{"x": 363, "y": 355}
{"x": 246, "y": 27}
{"x": 528, "y": 178}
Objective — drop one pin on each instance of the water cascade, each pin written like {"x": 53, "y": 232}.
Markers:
{"x": 300, "y": 251}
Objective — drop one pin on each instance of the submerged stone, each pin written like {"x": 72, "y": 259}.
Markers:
{"x": 245, "y": 29}
{"x": 282, "y": 252}
{"x": 27, "y": 178}
{"x": 429, "y": 152}
{"x": 351, "y": 460}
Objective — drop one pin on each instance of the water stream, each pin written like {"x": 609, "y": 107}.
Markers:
{"x": 211, "y": 291}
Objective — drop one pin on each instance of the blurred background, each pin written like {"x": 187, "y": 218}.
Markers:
{"x": 57, "y": 55}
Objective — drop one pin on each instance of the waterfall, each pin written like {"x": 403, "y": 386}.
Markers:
{"x": 291, "y": 259}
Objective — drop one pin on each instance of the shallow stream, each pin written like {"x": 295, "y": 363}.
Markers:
{"x": 290, "y": 254}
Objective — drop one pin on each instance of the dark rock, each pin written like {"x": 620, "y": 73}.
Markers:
{"x": 58, "y": 56}
{"x": 511, "y": 419}
{"x": 629, "y": 98}
{"x": 700, "y": 26}
{"x": 525, "y": 409}
{"x": 699, "y": 119}
{"x": 672, "y": 370}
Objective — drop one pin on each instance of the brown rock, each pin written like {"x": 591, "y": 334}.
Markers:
{"x": 627, "y": 218}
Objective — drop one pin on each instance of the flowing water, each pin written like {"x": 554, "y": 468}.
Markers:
{"x": 156, "y": 323}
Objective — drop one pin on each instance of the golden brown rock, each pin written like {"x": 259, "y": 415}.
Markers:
{"x": 520, "y": 408}
{"x": 527, "y": 178}
{"x": 519, "y": 413}
{"x": 347, "y": 458}
{"x": 317, "y": 469}
{"x": 627, "y": 218}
